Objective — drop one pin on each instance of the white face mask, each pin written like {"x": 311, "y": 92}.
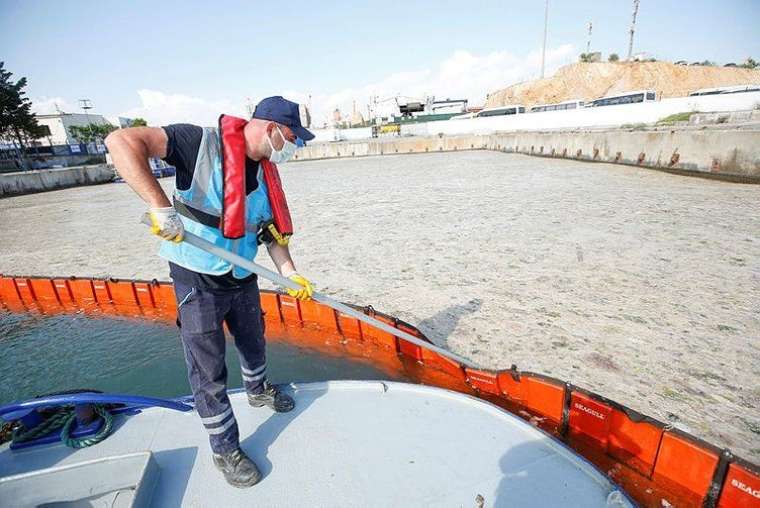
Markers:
{"x": 285, "y": 153}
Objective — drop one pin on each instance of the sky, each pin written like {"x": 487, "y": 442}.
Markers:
{"x": 189, "y": 61}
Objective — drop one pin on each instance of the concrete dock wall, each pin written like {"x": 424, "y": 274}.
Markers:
{"x": 730, "y": 154}
{"x": 27, "y": 182}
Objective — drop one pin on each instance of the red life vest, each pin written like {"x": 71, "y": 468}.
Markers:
{"x": 232, "y": 221}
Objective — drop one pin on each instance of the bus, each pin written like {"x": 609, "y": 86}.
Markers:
{"x": 624, "y": 98}
{"x": 511, "y": 109}
{"x": 725, "y": 89}
{"x": 561, "y": 106}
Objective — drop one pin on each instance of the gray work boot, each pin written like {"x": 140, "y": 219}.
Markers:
{"x": 272, "y": 397}
{"x": 238, "y": 469}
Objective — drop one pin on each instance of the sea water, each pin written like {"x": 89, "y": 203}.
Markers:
{"x": 40, "y": 354}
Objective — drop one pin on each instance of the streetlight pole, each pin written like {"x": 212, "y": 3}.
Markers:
{"x": 546, "y": 25}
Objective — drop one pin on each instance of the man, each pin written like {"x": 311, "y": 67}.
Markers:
{"x": 222, "y": 195}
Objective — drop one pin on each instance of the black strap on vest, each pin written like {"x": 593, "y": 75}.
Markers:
{"x": 212, "y": 221}
{"x": 200, "y": 216}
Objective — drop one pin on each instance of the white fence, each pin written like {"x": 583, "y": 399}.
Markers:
{"x": 604, "y": 116}
{"x": 322, "y": 135}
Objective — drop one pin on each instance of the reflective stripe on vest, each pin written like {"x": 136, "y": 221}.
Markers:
{"x": 205, "y": 194}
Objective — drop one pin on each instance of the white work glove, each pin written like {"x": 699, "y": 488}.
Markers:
{"x": 165, "y": 223}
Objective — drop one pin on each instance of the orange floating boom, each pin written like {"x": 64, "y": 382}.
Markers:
{"x": 649, "y": 459}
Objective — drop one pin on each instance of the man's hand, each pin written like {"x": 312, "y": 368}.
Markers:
{"x": 165, "y": 223}
{"x": 305, "y": 292}
{"x": 280, "y": 255}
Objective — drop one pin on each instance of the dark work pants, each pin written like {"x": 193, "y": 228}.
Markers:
{"x": 200, "y": 317}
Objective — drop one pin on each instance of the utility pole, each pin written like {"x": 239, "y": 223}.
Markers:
{"x": 86, "y": 105}
{"x": 588, "y": 42}
{"x": 546, "y": 25}
{"x": 633, "y": 28}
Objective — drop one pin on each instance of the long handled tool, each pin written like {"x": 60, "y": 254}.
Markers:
{"x": 278, "y": 279}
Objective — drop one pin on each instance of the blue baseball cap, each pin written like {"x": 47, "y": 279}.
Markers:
{"x": 285, "y": 112}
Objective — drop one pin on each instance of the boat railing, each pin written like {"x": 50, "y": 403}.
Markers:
{"x": 15, "y": 410}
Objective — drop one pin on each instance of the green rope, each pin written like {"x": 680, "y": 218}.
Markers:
{"x": 21, "y": 434}
{"x": 83, "y": 442}
{"x": 65, "y": 417}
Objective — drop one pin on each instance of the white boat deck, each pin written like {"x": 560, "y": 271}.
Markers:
{"x": 347, "y": 443}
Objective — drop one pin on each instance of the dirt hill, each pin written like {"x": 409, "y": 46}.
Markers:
{"x": 588, "y": 81}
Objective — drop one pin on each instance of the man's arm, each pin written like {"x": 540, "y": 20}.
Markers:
{"x": 280, "y": 255}
{"x": 130, "y": 150}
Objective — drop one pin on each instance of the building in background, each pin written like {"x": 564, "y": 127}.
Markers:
{"x": 59, "y": 123}
{"x": 356, "y": 120}
{"x": 336, "y": 118}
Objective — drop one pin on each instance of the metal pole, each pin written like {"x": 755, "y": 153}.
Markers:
{"x": 86, "y": 105}
{"x": 546, "y": 25}
{"x": 588, "y": 42}
{"x": 278, "y": 279}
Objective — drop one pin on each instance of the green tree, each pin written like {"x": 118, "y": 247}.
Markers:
{"x": 82, "y": 133}
{"x": 585, "y": 57}
{"x": 613, "y": 57}
{"x": 18, "y": 124}
{"x": 91, "y": 132}
{"x": 139, "y": 122}
{"x": 104, "y": 130}
{"x": 749, "y": 63}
